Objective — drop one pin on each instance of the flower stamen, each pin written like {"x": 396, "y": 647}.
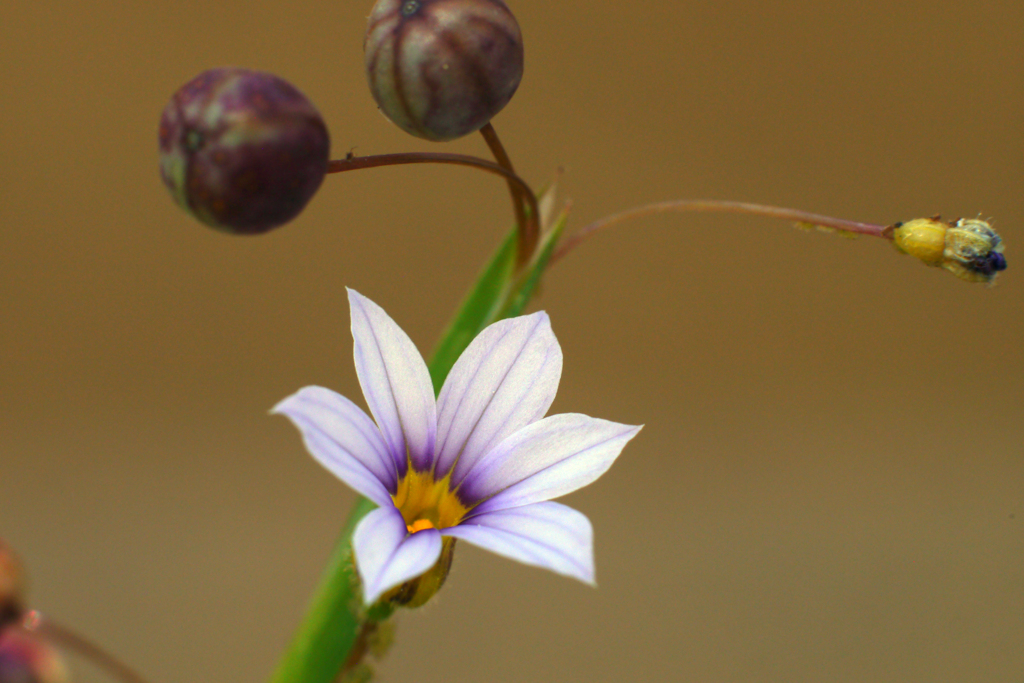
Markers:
{"x": 427, "y": 503}
{"x": 419, "y": 525}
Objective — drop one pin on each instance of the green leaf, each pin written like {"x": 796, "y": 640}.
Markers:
{"x": 527, "y": 283}
{"x": 477, "y": 309}
{"x": 488, "y": 300}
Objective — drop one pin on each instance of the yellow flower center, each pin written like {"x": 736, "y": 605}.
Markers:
{"x": 426, "y": 503}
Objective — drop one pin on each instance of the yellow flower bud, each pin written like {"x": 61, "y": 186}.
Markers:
{"x": 969, "y": 248}
{"x": 924, "y": 238}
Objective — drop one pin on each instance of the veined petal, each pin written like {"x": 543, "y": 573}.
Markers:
{"x": 544, "y": 460}
{"x": 342, "y": 438}
{"x": 395, "y": 382}
{"x": 387, "y": 555}
{"x": 548, "y": 535}
{"x": 506, "y": 379}
{"x": 344, "y": 423}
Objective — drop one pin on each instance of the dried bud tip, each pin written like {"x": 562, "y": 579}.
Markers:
{"x": 969, "y": 248}
{"x": 441, "y": 69}
{"x": 25, "y": 658}
{"x": 12, "y": 586}
{"x": 242, "y": 151}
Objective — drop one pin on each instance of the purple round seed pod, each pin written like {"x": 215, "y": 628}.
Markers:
{"x": 242, "y": 151}
{"x": 441, "y": 69}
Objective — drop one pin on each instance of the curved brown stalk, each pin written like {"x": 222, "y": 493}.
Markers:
{"x": 524, "y": 192}
{"x": 720, "y": 206}
{"x": 527, "y": 226}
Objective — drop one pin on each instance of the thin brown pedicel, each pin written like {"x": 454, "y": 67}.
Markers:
{"x": 720, "y": 206}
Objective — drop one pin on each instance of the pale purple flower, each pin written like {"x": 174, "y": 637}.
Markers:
{"x": 480, "y": 463}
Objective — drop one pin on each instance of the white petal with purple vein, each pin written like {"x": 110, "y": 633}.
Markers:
{"x": 342, "y": 438}
{"x": 544, "y": 460}
{"x": 387, "y": 555}
{"x": 395, "y": 382}
{"x": 345, "y": 423}
{"x": 548, "y": 535}
{"x": 506, "y": 379}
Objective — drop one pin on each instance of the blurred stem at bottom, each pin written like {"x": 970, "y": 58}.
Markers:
{"x": 330, "y": 628}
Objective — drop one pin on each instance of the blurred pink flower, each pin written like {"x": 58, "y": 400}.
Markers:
{"x": 26, "y": 658}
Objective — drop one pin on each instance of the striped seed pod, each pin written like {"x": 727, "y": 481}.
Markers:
{"x": 441, "y": 69}
{"x": 242, "y": 151}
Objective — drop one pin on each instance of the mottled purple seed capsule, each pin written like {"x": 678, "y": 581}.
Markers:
{"x": 441, "y": 69}
{"x": 242, "y": 151}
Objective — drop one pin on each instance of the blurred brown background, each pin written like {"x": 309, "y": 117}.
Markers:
{"x": 830, "y": 486}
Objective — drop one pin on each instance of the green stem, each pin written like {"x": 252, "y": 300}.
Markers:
{"x": 335, "y": 617}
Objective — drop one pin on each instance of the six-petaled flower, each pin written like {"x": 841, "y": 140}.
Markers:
{"x": 480, "y": 463}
